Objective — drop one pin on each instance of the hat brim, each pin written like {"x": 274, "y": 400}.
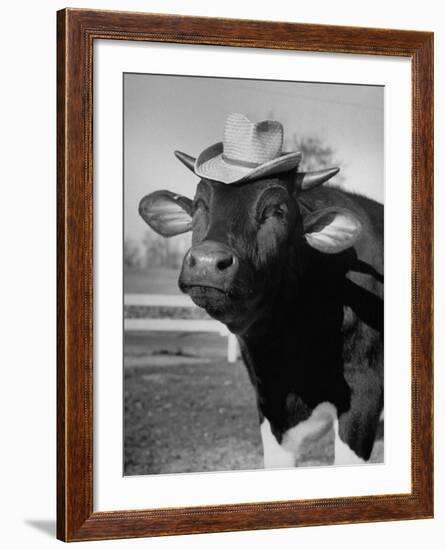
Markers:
{"x": 211, "y": 165}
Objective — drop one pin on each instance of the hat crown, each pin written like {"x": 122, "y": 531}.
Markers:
{"x": 253, "y": 143}
{"x": 249, "y": 151}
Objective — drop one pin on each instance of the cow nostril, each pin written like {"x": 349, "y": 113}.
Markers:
{"x": 192, "y": 261}
{"x": 224, "y": 263}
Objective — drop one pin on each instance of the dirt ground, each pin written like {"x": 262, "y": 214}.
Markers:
{"x": 188, "y": 410}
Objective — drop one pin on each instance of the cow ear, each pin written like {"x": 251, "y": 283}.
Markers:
{"x": 332, "y": 230}
{"x": 167, "y": 213}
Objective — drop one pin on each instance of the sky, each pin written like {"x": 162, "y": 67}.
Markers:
{"x": 163, "y": 113}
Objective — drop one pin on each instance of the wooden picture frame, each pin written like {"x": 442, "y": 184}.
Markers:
{"x": 76, "y": 32}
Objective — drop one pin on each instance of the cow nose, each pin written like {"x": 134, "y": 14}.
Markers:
{"x": 212, "y": 260}
{"x": 209, "y": 264}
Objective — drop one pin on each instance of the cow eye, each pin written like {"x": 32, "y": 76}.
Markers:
{"x": 278, "y": 211}
{"x": 199, "y": 204}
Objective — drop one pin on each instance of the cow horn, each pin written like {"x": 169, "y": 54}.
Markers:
{"x": 308, "y": 180}
{"x": 187, "y": 160}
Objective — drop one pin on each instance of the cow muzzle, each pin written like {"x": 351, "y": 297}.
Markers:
{"x": 208, "y": 269}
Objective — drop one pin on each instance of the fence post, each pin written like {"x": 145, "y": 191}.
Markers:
{"x": 232, "y": 348}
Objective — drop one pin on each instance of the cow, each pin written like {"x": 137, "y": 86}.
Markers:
{"x": 294, "y": 269}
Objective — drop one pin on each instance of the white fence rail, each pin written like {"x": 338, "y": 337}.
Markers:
{"x": 177, "y": 325}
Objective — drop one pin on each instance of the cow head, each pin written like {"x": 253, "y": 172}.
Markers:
{"x": 245, "y": 238}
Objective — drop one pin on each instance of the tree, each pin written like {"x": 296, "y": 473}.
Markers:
{"x": 162, "y": 252}
{"x": 132, "y": 256}
{"x": 316, "y": 155}
{"x": 154, "y": 248}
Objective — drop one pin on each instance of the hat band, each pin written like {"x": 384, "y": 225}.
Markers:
{"x": 244, "y": 163}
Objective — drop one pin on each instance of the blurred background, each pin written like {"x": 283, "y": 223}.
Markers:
{"x": 189, "y": 406}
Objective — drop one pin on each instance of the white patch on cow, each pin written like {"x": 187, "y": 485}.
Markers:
{"x": 287, "y": 454}
{"x": 343, "y": 452}
{"x": 310, "y": 430}
{"x": 306, "y": 432}
{"x": 274, "y": 454}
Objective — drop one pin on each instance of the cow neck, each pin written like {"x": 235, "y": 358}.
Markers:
{"x": 293, "y": 351}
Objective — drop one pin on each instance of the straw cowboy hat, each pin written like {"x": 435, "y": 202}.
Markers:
{"x": 249, "y": 150}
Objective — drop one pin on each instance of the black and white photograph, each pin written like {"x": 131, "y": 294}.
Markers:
{"x": 223, "y": 271}
{"x": 253, "y": 283}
